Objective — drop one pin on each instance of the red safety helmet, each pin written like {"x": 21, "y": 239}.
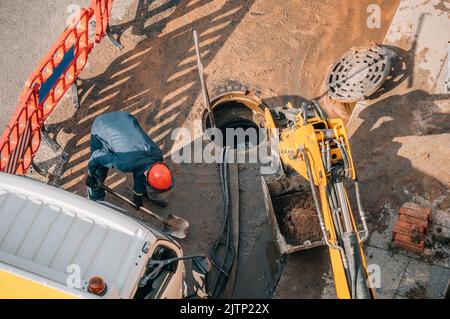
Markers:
{"x": 159, "y": 177}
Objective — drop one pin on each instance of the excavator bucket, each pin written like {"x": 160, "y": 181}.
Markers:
{"x": 292, "y": 216}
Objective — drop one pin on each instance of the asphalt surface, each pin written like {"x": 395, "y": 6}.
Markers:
{"x": 29, "y": 29}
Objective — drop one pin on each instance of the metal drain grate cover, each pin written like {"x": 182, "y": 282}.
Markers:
{"x": 359, "y": 74}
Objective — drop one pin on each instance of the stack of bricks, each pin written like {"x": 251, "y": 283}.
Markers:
{"x": 410, "y": 229}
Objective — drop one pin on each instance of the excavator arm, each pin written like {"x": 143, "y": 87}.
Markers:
{"x": 318, "y": 149}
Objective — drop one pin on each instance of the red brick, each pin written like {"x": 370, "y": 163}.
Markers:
{"x": 413, "y": 220}
{"x": 418, "y": 248}
{"x": 411, "y": 226}
{"x": 416, "y": 211}
{"x": 406, "y": 228}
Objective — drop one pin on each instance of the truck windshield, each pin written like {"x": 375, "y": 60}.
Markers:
{"x": 150, "y": 286}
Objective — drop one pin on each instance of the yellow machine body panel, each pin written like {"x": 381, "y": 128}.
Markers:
{"x": 290, "y": 146}
{"x": 291, "y": 141}
{"x": 303, "y": 138}
{"x": 339, "y": 129}
{"x": 13, "y": 286}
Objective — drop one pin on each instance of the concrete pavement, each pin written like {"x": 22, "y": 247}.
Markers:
{"x": 405, "y": 274}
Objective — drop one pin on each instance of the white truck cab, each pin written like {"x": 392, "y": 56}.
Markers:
{"x": 53, "y": 243}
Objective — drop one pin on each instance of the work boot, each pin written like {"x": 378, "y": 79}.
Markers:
{"x": 158, "y": 199}
{"x": 96, "y": 194}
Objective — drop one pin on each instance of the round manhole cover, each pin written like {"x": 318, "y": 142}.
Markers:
{"x": 358, "y": 74}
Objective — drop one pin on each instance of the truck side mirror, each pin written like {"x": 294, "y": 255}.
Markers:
{"x": 200, "y": 267}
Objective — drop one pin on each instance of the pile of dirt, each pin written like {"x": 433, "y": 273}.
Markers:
{"x": 297, "y": 218}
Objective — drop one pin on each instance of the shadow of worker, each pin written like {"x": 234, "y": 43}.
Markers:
{"x": 383, "y": 172}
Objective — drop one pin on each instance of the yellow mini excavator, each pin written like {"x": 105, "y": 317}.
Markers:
{"x": 318, "y": 149}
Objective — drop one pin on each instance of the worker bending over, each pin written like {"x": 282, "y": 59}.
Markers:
{"x": 118, "y": 141}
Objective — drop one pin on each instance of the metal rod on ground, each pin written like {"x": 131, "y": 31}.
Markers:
{"x": 177, "y": 226}
{"x": 74, "y": 90}
{"x": 202, "y": 81}
{"x": 51, "y": 142}
{"x": 113, "y": 40}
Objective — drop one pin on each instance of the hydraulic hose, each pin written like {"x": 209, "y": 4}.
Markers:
{"x": 319, "y": 210}
{"x": 361, "y": 213}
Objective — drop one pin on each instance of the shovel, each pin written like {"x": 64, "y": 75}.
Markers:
{"x": 174, "y": 225}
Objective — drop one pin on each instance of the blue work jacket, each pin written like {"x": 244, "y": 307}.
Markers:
{"x": 118, "y": 141}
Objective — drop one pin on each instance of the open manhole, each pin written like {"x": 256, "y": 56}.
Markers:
{"x": 359, "y": 74}
{"x": 239, "y": 116}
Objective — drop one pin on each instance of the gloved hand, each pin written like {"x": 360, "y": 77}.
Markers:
{"x": 92, "y": 182}
{"x": 137, "y": 200}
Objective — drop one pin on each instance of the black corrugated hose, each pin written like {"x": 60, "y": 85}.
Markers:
{"x": 222, "y": 252}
